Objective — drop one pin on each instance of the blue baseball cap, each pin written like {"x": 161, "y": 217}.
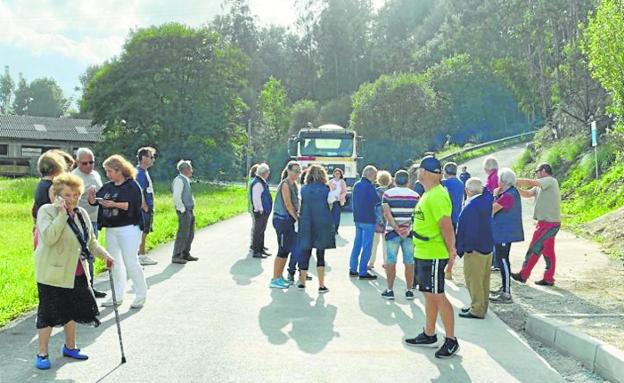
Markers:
{"x": 431, "y": 164}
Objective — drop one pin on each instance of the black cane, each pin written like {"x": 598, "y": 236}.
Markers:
{"x": 110, "y": 278}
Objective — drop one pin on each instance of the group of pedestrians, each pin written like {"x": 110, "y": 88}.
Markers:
{"x": 71, "y": 206}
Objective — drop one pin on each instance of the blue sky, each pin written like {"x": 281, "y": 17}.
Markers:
{"x": 60, "y": 38}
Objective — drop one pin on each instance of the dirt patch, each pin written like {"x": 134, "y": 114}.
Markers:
{"x": 609, "y": 230}
{"x": 608, "y": 329}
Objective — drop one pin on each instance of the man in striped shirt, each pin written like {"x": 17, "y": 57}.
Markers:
{"x": 398, "y": 205}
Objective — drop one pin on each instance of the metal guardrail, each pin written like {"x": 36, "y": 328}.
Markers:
{"x": 484, "y": 144}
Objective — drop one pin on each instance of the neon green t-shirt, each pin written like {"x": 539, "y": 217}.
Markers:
{"x": 432, "y": 206}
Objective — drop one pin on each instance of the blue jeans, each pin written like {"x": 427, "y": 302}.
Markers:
{"x": 363, "y": 244}
{"x": 336, "y": 210}
{"x": 407, "y": 248}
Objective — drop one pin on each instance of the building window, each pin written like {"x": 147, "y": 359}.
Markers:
{"x": 4, "y": 149}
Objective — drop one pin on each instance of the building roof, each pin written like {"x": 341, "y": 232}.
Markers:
{"x": 48, "y": 128}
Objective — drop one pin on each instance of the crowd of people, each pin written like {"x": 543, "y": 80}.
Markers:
{"x": 71, "y": 206}
{"x": 430, "y": 212}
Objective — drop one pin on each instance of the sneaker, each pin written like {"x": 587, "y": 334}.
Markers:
{"x": 279, "y": 283}
{"x": 178, "y": 260}
{"x": 448, "y": 349}
{"x": 138, "y": 303}
{"x": 301, "y": 286}
{"x": 42, "y": 362}
{"x": 465, "y": 309}
{"x": 517, "y": 277}
{"x": 502, "y": 298}
{"x": 109, "y": 303}
{"x": 494, "y": 269}
{"x": 353, "y": 273}
{"x": 144, "y": 260}
{"x": 291, "y": 279}
{"x": 368, "y": 277}
{"x": 99, "y": 294}
{"x": 73, "y": 353}
{"x": 258, "y": 255}
{"x": 544, "y": 282}
{"x": 323, "y": 290}
{"x": 497, "y": 291}
{"x": 286, "y": 281}
{"x": 388, "y": 295}
{"x": 423, "y": 340}
{"x": 189, "y": 258}
{"x": 409, "y": 294}
{"x": 265, "y": 252}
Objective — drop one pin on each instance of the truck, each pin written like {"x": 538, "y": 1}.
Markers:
{"x": 331, "y": 146}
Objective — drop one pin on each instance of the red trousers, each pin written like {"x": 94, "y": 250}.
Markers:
{"x": 543, "y": 243}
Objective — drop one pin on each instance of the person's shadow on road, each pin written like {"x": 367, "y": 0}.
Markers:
{"x": 312, "y": 324}
{"x": 245, "y": 269}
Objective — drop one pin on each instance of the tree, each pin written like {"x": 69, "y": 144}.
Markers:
{"x": 337, "y": 111}
{"x": 43, "y": 97}
{"x": 302, "y": 112}
{"x": 176, "y": 88}
{"x": 7, "y": 87}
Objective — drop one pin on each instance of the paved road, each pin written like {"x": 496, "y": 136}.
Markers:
{"x": 217, "y": 321}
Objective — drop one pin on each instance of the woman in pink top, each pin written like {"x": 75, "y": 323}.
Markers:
{"x": 337, "y": 195}
{"x": 490, "y": 166}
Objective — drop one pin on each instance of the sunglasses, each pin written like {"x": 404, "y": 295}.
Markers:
{"x": 85, "y": 163}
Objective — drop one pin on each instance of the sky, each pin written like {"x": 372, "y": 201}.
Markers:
{"x": 61, "y": 38}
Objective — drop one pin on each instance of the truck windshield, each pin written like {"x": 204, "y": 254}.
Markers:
{"x": 327, "y": 147}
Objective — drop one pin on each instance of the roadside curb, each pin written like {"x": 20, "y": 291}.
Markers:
{"x": 600, "y": 357}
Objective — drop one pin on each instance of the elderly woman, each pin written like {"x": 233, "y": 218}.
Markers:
{"x": 490, "y": 166}
{"x": 120, "y": 202}
{"x": 66, "y": 243}
{"x": 337, "y": 196}
{"x": 507, "y": 228}
{"x": 316, "y": 226}
{"x": 384, "y": 180}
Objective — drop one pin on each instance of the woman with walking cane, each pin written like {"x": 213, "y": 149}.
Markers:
{"x": 66, "y": 242}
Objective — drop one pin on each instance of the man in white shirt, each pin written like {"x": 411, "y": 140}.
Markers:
{"x": 184, "y": 204}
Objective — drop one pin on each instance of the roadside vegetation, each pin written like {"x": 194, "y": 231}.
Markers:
{"x": 18, "y": 289}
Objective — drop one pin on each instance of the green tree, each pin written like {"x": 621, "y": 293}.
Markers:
{"x": 178, "y": 89}
{"x": 337, "y": 111}
{"x": 7, "y": 87}
{"x": 43, "y": 97}
{"x": 302, "y": 112}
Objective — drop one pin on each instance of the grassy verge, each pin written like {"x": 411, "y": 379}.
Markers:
{"x": 18, "y": 290}
{"x": 469, "y": 155}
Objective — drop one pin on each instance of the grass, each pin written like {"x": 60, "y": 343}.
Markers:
{"x": 584, "y": 197}
{"x": 18, "y": 289}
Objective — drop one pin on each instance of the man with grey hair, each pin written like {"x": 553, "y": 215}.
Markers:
{"x": 364, "y": 198}
{"x": 262, "y": 205}
{"x": 85, "y": 169}
{"x": 474, "y": 240}
{"x": 184, "y": 204}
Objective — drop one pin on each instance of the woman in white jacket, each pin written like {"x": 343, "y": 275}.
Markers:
{"x": 337, "y": 196}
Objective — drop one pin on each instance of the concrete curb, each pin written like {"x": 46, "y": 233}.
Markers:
{"x": 602, "y": 358}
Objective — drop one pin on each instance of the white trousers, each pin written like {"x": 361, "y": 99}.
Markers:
{"x": 123, "y": 245}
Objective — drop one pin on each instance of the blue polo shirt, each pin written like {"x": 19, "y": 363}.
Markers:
{"x": 144, "y": 180}
{"x": 365, "y": 197}
{"x": 456, "y": 191}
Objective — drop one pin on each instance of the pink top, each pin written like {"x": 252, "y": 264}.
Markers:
{"x": 79, "y": 269}
{"x": 506, "y": 201}
{"x": 492, "y": 181}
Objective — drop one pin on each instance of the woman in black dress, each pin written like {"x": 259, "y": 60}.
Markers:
{"x": 66, "y": 243}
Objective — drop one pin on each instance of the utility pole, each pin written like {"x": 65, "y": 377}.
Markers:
{"x": 248, "y": 146}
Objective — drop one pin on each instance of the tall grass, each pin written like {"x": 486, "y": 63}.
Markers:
{"x": 18, "y": 289}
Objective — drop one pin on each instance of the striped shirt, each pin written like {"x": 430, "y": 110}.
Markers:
{"x": 401, "y": 201}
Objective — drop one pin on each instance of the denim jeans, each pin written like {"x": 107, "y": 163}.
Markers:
{"x": 362, "y": 247}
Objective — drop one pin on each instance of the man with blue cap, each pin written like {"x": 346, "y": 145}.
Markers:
{"x": 434, "y": 250}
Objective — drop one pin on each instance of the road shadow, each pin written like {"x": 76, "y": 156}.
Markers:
{"x": 312, "y": 321}
{"x": 247, "y": 268}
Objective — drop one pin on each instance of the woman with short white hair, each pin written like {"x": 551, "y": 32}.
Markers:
{"x": 507, "y": 228}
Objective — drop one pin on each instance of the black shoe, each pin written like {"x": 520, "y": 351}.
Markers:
{"x": 353, "y": 273}
{"x": 265, "y": 252}
{"x": 258, "y": 255}
{"x": 300, "y": 286}
{"x": 291, "y": 278}
{"x": 190, "y": 258}
{"x": 388, "y": 295}
{"x": 178, "y": 260}
{"x": 423, "y": 340}
{"x": 517, "y": 277}
{"x": 323, "y": 290}
{"x": 465, "y": 310}
{"x": 448, "y": 349}
{"x": 544, "y": 282}
{"x": 99, "y": 294}
{"x": 368, "y": 277}
{"x": 265, "y": 248}
{"x": 469, "y": 315}
{"x": 308, "y": 277}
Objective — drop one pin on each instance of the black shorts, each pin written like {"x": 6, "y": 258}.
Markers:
{"x": 430, "y": 275}
{"x": 286, "y": 235}
{"x": 148, "y": 220}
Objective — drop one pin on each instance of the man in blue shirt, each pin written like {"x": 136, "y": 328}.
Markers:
{"x": 145, "y": 158}
{"x": 364, "y": 198}
{"x": 455, "y": 189}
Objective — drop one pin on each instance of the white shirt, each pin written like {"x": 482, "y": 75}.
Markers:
{"x": 334, "y": 195}
{"x": 178, "y": 187}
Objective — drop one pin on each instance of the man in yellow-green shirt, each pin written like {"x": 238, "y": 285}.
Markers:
{"x": 434, "y": 250}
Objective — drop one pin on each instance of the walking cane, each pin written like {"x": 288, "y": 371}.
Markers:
{"x": 112, "y": 285}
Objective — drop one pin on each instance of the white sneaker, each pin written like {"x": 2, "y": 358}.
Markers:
{"x": 138, "y": 303}
{"x": 144, "y": 260}
{"x": 109, "y": 303}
